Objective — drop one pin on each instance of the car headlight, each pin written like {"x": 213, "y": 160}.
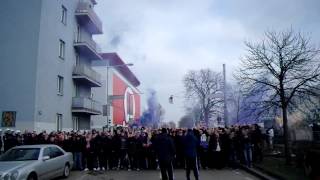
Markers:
{"x": 6, "y": 177}
{"x": 13, "y": 175}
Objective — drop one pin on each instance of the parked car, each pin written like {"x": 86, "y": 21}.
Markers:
{"x": 35, "y": 162}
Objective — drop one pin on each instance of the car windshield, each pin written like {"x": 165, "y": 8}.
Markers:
{"x": 21, "y": 154}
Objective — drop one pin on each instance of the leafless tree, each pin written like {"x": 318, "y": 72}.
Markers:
{"x": 206, "y": 87}
{"x": 234, "y": 102}
{"x": 285, "y": 68}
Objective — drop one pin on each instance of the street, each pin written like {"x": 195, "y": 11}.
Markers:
{"x": 225, "y": 174}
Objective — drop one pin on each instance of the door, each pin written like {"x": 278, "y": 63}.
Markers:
{"x": 57, "y": 161}
{"x": 75, "y": 121}
{"x": 45, "y": 171}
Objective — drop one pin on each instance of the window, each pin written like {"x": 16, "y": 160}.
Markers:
{"x": 75, "y": 123}
{"x": 76, "y": 91}
{"x": 64, "y": 15}
{"x": 55, "y": 152}
{"x": 46, "y": 152}
{"x": 78, "y": 37}
{"x": 59, "y": 122}
{"x": 60, "y": 85}
{"x": 77, "y": 60}
{"x": 62, "y": 47}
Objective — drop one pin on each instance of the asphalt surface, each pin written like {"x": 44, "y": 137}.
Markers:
{"x": 155, "y": 175}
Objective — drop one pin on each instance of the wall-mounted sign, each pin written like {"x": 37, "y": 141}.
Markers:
{"x": 8, "y": 119}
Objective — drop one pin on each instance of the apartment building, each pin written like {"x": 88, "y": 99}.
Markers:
{"x": 45, "y": 64}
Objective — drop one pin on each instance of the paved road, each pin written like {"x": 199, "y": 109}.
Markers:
{"x": 155, "y": 175}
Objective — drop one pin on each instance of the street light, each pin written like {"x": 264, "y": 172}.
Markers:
{"x": 108, "y": 103}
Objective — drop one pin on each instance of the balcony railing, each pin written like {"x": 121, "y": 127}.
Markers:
{"x": 89, "y": 18}
{"x": 85, "y": 73}
{"x": 86, "y": 105}
{"x": 87, "y": 47}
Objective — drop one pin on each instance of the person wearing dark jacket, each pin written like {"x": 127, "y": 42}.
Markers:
{"x": 190, "y": 146}
{"x": 165, "y": 151}
{"x": 0, "y": 141}
{"x": 180, "y": 160}
{"x": 78, "y": 146}
{"x": 215, "y": 150}
{"x": 104, "y": 151}
{"x": 9, "y": 141}
{"x": 257, "y": 141}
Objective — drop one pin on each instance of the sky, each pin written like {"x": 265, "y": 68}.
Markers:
{"x": 167, "y": 38}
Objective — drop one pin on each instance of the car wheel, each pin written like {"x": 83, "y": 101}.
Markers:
{"x": 66, "y": 171}
{"x": 32, "y": 177}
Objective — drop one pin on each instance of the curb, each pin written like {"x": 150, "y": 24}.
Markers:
{"x": 269, "y": 173}
{"x": 258, "y": 173}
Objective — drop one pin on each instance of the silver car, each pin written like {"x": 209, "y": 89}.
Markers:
{"x": 35, "y": 162}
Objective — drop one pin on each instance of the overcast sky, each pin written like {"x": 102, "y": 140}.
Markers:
{"x": 166, "y": 38}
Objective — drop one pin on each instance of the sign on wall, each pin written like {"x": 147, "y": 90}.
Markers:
{"x": 8, "y": 119}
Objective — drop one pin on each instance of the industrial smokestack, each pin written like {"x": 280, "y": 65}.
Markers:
{"x": 225, "y": 111}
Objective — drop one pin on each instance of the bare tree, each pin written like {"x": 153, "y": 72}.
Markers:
{"x": 206, "y": 87}
{"x": 285, "y": 67}
{"x": 234, "y": 102}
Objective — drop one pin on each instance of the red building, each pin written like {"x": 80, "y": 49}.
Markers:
{"x": 124, "y": 96}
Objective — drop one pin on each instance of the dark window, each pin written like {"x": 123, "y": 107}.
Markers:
{"x": 21, "y": 154}
{"x": 64, "y": 15}
{"x": 46, "y": 152}
{"x": 55, "y": 152}
{"x": 62, "y": 49}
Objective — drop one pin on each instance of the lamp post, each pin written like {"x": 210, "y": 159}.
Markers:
{"x": 108, "y": 103}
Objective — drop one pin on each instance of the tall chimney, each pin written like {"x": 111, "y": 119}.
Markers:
{"x": 225, "y": 111}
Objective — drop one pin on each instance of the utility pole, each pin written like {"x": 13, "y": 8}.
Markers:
{"x": 225, "y": 110}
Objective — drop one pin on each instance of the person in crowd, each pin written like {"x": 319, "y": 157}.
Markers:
{"x": 145, "y": 150}
{"x": 246, "y": 146}
{"x": 215, "y": 149}
{"x": 165, "y": 151}
{"x": 180, "y": 160}
{"x": 203, "y": 149}
{"x": 190, "y": 146}
{"x": 257, "y": 143}
{"x": 78, "y": 147}
{"x": 9, "y": 140}
{"x": 233, "y": 155}
{"x": 124, "y": 150}
{"x": 1, "y": 142}
{"x": 270, "y": 133}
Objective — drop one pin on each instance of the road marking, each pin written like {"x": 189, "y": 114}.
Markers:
{"x": 248, "y": 178}
{"x": 237, "y": 172}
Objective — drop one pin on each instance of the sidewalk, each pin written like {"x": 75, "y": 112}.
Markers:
{"x": 259, "y": 173}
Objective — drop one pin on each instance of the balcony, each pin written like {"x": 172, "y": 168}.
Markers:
{"x": 88, "y": 18}
{"x": 86, "y": 105}
{"x": 86, "y": 75}
{"x": 87, "y": 48}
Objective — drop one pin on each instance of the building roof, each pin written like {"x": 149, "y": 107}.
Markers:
{"x": 115, "y": 60}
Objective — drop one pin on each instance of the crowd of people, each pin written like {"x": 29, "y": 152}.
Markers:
{"x": 140, "y": 148}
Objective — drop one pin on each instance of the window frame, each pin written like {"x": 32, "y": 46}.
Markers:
{"x": 62, "y": 49}
{"x": 64, "y": 14}
{"x": 60, "y": 84}
{"x": 75, "y": 123}
{"x": 59, "y": 121}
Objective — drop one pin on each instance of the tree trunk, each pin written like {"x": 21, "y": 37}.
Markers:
{"x": 286, "y": 135}
{"x": 206, "y": 118}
